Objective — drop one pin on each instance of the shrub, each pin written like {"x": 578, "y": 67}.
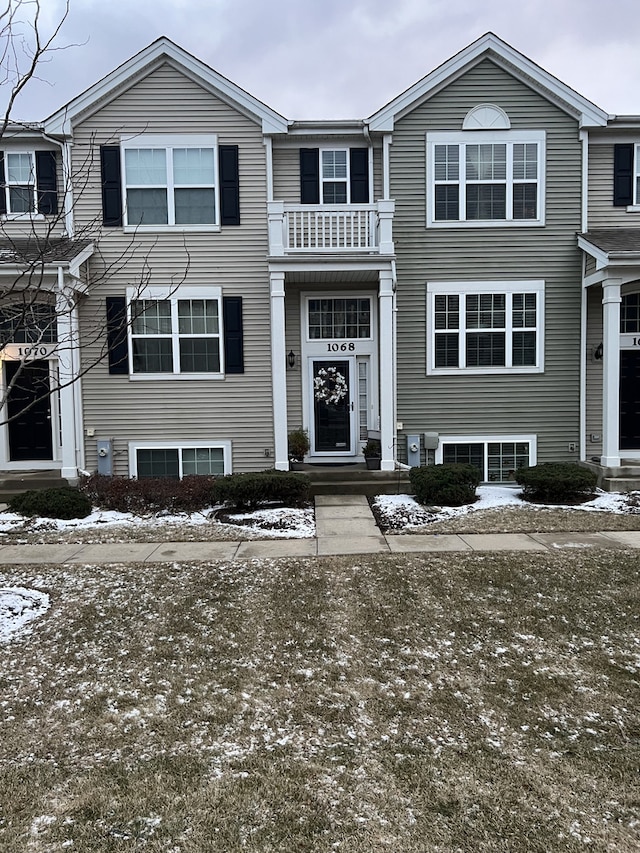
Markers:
{"x": 153, "y": 494}
{"x": 247, "y": 491}
{"x": 556, "y": 482}
{"x": 63, "y": 502}
{"x": 298, "y": 445}
{"x": 372, "y": 449}
{"x": 451, "y": 484}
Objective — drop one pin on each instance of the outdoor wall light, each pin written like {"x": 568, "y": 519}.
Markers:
{"x": 598, "y": 353}
{"x": 291, "y": 359}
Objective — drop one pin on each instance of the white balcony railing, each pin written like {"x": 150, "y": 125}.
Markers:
{"x": 306, "y": 228}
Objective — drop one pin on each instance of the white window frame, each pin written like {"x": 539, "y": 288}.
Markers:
{"x": 479, "y": 137}
{"x": 347, "y": 179}
{"x": 470, "y": 288}
{"x": 333, "y": 298}
{"x": 168, "y": 142}
{"x": 530, "y": 438}
{"x": 174, "y": 295}
{"x": 134, "y": 446}
{"x": 635, "y": 207}
{"x": 30, "y": 214}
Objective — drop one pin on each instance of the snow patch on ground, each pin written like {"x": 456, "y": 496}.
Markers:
{"x": 18, "y": 607}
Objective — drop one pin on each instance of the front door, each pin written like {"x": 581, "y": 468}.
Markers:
{"x": 29, "y": 410}
{"x": 629, "y": 400}
{"x": 332, "y": 407}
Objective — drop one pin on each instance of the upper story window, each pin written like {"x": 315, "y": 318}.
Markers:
{"x": 28, "y": 183}
{"x": 626, "y": 176}
{"x": 485, "y": 178}
{"x": 170, "y": 181}
{"x": 334, "y": 176}
{"x": 485, "y": 327}
{"x": 176, "y": 333}
{"x": 156, "y": 182}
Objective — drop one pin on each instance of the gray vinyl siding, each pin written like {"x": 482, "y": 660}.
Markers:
{"x": 602, "y": 212}
{"x": 286, "y": 170}
{"x": 545, "y": 404}
{"x": 594, "y": 372}
{"x": 239, "y": 407}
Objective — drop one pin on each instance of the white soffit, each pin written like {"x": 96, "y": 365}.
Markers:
{"x": 492, "y": 47}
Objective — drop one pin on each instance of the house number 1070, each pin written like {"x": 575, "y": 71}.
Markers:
{"x": 341, "y": 347}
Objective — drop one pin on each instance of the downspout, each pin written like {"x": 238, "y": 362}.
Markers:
{"x": 268, "y": 144}
{"x": 67, "y": 188}
{"x": 584, "y": 139}
{"x": 386, "y": 181}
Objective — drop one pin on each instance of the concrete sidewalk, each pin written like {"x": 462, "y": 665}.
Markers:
{"x": 344, "y": 525}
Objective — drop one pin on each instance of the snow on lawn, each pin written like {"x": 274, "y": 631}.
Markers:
{"x": 406, "y": 508}
{"x": 18, "y": 607}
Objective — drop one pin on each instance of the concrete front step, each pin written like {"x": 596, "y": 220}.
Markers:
{"x": 15, "y": 483}
{"x": 355, "y": 480}
{"x": 620, "y": 484}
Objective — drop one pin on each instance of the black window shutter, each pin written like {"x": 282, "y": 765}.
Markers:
{"x": 111, "y": 188}
{"x": 310, "y": 176}
{"x": 117, "y": 335}
{"x": 359, "y": 175}
{"x": 3, "y": 195}
{"x": 229, "y": 185}
{"x": 623, "y": 175}
{"x": 233, "y": 341}
{"x": 46, "y": 181}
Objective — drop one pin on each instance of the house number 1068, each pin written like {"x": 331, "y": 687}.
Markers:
{"x": 341, "y": 347}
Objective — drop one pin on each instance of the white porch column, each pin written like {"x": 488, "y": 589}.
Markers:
{"x": 279, "y": 371}
{"x": 611, "y": 299}
{"x": 68, "y": 377}
{"x": 387, "y": 386}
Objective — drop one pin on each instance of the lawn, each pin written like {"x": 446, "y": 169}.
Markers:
{"x": 416, "y": 703}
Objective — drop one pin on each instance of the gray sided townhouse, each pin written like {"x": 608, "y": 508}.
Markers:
{"x": 192, "y": 276}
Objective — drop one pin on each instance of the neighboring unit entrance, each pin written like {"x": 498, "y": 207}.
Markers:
{"x": 629, "y": 400}
{"x": 332, "y": 407}
{"x": 29, "y": 411}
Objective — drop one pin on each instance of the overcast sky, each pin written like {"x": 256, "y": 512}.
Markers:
{"x": 341, "y": 58}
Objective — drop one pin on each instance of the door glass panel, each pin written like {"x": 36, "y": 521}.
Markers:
{"x": 331, "y": 405}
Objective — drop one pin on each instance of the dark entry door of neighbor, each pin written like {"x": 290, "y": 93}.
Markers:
{"x": 629, "y": 400}
{"x": 332, "y": 407}
{"x": 29, "y": 411}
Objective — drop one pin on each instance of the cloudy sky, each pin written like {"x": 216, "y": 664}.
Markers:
{"x": 341, "y": 58}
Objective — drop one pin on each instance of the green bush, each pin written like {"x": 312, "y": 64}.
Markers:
{"x": 247, "y": 491}
{"x": 63, "y": 502}
{"x": 152, "y": 494}
{"x": 451, "y": 484}
{"x": 556, "y": 482}
{"x": 299, "y": 445}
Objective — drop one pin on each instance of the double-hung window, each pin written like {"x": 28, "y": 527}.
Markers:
{"x": 170, "y": 181}
{"x": 485, "y": 327}
{"x": 335, "y": 176}
{"x": 20, "y": 179}
{"x": 175, "y": 333}
{"x": 485, "y": 178}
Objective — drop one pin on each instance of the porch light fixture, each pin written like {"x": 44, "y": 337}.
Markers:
{"x": 291, "y": 359}
{"x": 598, "y": 353}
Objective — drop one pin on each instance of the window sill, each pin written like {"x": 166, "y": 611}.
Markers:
{"x": 168, "y": 229}
{"x": 487, "y": 223}
{"x": 172, "y": 377}
{"x": 25, "y": 217}
{"x": 482, "y": 371}
{"x": 633, "y": 208}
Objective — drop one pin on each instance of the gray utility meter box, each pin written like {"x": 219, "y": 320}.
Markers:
{"x": 431, "y": 440}
{"x": 105, "y": 456}
{"x": 413, "y": 450}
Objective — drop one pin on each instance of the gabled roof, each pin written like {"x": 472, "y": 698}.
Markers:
{"x": 489, "y": 46}
{"x": 612, "y": 242}
{"x": 158, "y": 52}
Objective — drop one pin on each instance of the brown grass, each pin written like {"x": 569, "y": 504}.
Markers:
{"x": 414, "y": 703}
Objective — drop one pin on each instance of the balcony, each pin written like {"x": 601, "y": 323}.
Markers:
{"x": 357, "y": 229}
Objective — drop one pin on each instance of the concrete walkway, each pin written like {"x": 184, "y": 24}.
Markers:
{"x": 344, "y": 525}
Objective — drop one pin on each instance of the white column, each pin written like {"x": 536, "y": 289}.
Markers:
{"x": 387, "y": 387}
{"x": 279, "y": 371}
{"x": 611, "y": 300}
{"x": 275, "y": 218}
{"x": 67, "y": 377}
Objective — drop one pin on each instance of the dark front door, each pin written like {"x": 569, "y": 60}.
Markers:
{"x": 29, "y": 410}
{"x": 629, "y": 400}
{"x": 332, "y": 407}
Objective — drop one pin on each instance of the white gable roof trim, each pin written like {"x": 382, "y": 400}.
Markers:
{"x": 163, "y": 50}
{"x": 491, "y": 46}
